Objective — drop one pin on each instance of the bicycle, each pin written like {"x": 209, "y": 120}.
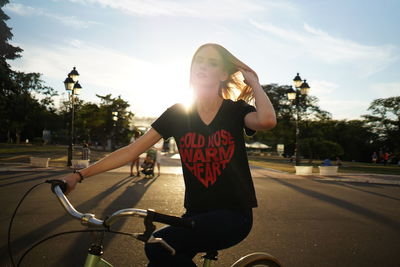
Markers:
{"x": 99, "y": 227}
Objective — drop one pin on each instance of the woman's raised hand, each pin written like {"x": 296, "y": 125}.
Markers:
{"x": 250, "y": 78}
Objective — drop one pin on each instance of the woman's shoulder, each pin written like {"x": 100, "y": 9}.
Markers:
{"x": 177, "y": 107}
{"x": 236, "y": 103}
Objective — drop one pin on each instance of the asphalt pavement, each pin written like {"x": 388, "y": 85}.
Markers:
{"x": 344, "y": 220}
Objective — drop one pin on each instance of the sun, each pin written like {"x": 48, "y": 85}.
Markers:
{"x": 187, "y": 98}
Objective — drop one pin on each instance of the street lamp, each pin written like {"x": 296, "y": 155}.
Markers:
{"x": 73, "y": 88}
{"x": 301, "y": 91}
{"x": 115, "y": 119}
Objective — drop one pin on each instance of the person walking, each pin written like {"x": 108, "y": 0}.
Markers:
{"x": 136, "y": 161}
{"x": 158, "y": 161}
{"x": 374, "y": 157}
{"x": 219, "y": 191}
{"x": 385, "y": 158}
{"x": 85, "y": 152}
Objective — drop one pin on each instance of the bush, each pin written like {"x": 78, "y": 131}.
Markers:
{"x": 319, "y": 148}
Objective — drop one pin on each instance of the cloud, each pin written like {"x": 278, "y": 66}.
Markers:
{"x": 384, "y": 90}
{"x": 221, "y": 9}
{"x": 331, "y": 99}
{"x": 321, "y": 88}
{"x": 147, "y": 86}
{"x": 345, "y": 109}
{"x": 317, "y": 44}
{"x": 22, "y": 10}
{"x": 71, "y": 21}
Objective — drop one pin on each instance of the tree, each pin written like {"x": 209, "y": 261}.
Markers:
{"x": 89, "y": 123}
{"x": 7, "y": 51}
{"x": 284, "y": 132}
{"x": 94, "y": 123}
{"x": 385, "y": 122}
{"x": 20, "y": 111}
{"x": 354, "y": 137}
{"x": 318, "y": 148}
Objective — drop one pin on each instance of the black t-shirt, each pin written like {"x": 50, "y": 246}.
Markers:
{"x": 214, "y": 160}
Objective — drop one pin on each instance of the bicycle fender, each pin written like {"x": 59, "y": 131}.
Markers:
{"x": 256, "y": 256}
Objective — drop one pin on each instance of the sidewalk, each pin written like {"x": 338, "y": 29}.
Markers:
{"x": 341, "y": 177}
{"x": 257, "y": 172}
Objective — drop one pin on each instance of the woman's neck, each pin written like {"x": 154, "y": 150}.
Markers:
{"x": 208, "y": 104}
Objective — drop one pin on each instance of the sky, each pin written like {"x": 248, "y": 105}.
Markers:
{"x": 348, "y": 50}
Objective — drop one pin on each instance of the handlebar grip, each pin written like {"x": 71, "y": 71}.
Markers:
{"x": 61, "y": 183}
{"x": 171, "y": 220}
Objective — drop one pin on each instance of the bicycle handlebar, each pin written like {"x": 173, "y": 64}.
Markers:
{"x": 59, "y": 188}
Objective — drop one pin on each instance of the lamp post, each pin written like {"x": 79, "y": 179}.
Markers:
{"x": 295, "y": 95}
{"x": 73, "y": 88}
{"x": 115, "y": 119}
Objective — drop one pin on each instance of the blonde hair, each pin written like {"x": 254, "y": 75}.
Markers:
{"x": 235, "y": 82}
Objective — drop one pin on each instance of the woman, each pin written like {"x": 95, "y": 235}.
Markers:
{"x": 219, "y": 194}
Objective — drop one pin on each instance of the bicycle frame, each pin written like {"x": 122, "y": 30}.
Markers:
{"x": 94, "y": 258}
{"x": 207, "y": 263}
{"x": 96, "y": 261}
{"x": 209, "y": 258}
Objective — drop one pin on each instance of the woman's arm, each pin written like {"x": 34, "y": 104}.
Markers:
{"x": 264, "y": 118}
{"x": 116, "y": 159}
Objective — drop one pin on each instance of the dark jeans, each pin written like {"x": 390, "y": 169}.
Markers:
{"x": 213, "y": 230}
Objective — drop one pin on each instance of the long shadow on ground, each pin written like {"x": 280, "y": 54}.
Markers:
{"x": 128, "y": 198}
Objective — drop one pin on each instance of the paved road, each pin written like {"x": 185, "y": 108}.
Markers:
{"x": 304, "y": 221}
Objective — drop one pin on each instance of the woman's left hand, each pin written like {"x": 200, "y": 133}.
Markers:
{"x": 250, "y": 78}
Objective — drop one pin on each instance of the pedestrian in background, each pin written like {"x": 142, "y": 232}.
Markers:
{"x": 385, "y": 158}
{"x": 136, "y": 161}
{"x": 374, "y": 157}
{"x": 338, "y": 161}
{"x": 85, "y": 152}
{"x": 158, "y": 161}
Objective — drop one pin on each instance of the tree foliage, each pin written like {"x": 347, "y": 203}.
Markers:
{"x": 284, "y": 132}
{"x": 320, "y": 136}
{"x": 22, "y": 115}
{"x": 384, "y": 121}
{"x": 318, "y": 148}
{"x": 7, "y": 51}
{"x": 94, "y": 122}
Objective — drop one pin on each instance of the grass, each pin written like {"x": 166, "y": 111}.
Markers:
{"x": 283, "y": 164}
{"x": 12, "y": 153}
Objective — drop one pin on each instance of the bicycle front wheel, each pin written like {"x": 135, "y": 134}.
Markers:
{"x": 258, "y": 259}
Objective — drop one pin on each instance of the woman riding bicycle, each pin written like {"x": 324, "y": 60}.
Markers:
{"x": 219, "y": 194}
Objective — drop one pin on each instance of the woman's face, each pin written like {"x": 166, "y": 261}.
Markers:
{"x": 207, "y": 71}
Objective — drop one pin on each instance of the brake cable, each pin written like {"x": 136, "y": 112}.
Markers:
{"x": 46, "y": 238}
{"x": 12, "y": 220}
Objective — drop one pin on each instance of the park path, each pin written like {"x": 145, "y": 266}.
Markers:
{"x": 171, "y": 165}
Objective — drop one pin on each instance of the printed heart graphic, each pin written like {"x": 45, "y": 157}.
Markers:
{"x": 206, "y": 156}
